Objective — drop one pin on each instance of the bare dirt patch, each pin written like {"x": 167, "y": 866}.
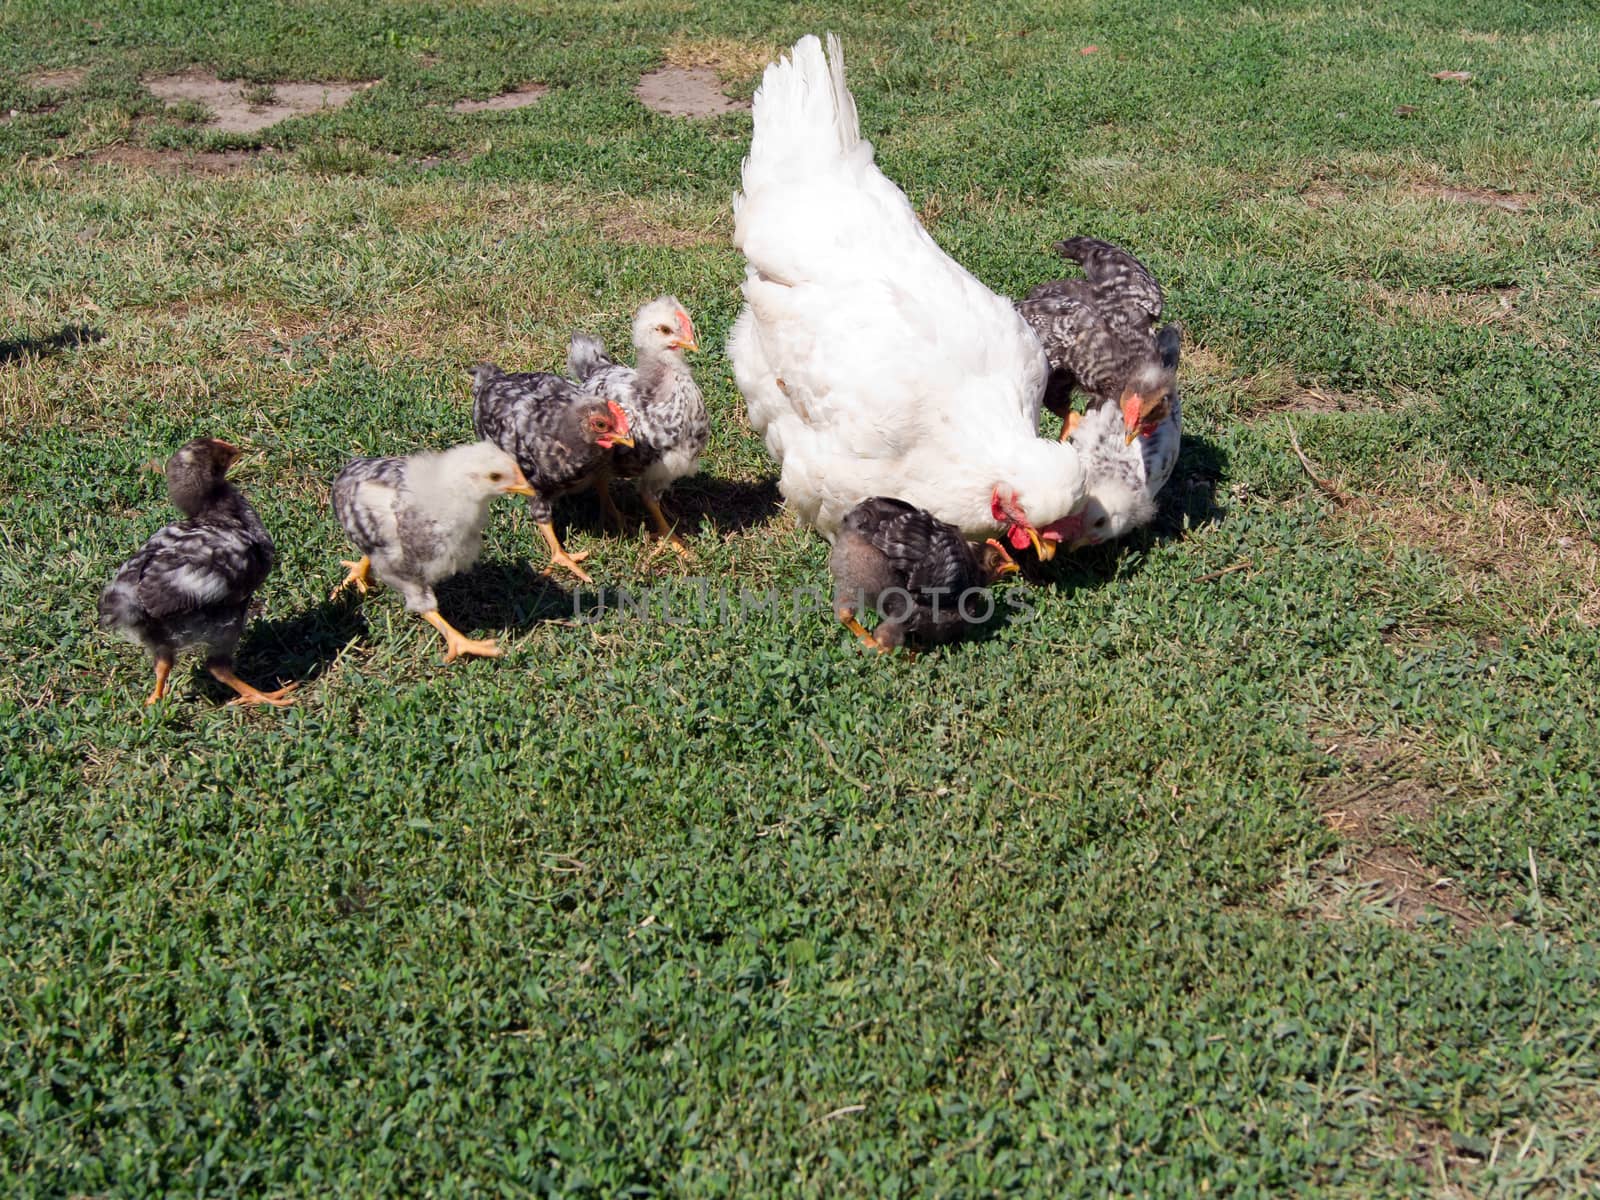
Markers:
{"x": 1319, "y": 193}
{"x": 1483, "y": 197}
{"x": 175, "y": 162}
{"x": 1374, "y": 793}
{"x": 685, "y": 92}
{"x": 1321, "y": 400}
{"x": 240, "y": 108}
{"x": 61, "y": 80}
{"x": 523, "y": 97}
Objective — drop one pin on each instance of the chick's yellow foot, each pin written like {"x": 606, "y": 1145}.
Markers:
{"x": 1074, "y": 419}
{"x": 360, "y": 573}
{"x": 163, "y": 669}
{"x": 559, "y": 556}
{"x": 252, "y": 695}
{"x": 663, "y": 531}
{"x": 570, "y": 561}
{"x": 848, "y": 619}
{"x": 458, "y": 644}
{"x": 670, "y": 541}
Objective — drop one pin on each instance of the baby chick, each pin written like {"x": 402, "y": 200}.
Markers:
{"x": 666, "y": 413}
{"x": 419, "y": 519}
{"x": 191, "y": 583}
{"x": 1100, "y": 333}
{"x": 561, "y": 438}
{"x": 914, "y": 568}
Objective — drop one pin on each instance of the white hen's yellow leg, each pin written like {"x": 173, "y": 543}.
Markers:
{"x": 248, "y": 694}
{"x": 457, "y": 643}
{"x": 559, "y": 557}
{"x": 358, "y": 578}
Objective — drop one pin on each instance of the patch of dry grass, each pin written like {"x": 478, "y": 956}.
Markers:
{"x": 733, "y": 59}
{"x": 1536, "y": 566}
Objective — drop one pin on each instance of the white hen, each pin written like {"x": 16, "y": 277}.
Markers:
{"x": 872, "y": 363}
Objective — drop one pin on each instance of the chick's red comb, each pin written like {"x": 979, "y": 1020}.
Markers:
{"x": 618, "y": 417}
{"x": 685, "y": 326}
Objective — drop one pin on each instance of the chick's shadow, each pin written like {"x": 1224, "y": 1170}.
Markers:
{"x": 1188, "y": 502}
{"x": 495, "y": 596}
{"x": 301, "y": 647}
{"x": 695, "y": 505}
{"x": 68, "y": 337}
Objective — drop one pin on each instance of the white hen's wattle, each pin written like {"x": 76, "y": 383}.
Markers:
{"x": 871, "y": 362}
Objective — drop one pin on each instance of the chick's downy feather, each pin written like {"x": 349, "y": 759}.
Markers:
{"x": 192, "y": 582}
{"x": 666, "y": 412}
{"x": 916, "y": 569}
{"x": 547, "y": 424}
{"x": 420, "y": 519}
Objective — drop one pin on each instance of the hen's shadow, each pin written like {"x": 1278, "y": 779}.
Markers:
{"x": 65, "y": 338}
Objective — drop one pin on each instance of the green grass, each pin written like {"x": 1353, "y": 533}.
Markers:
{"x": 1086, "y": 906}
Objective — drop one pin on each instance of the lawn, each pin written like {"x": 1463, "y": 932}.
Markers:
{"x": 1258, "y": 855}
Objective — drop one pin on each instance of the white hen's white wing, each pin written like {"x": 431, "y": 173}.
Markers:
{"x": 864, "y": 346}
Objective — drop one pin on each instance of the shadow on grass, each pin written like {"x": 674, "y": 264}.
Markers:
{"x": 297, "y": 648}
{"x": 503, "y": 596}
{"x": 494, "y": 597}
{"x": 693, "y": 505}
{"x": 66, "y": 338}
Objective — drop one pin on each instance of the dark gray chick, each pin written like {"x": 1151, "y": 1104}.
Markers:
{"x": 1100, "y": 333}
{"x": 192, "y": 582}
{"x": 561, "y": 437}
{"x": 913, "y": 568}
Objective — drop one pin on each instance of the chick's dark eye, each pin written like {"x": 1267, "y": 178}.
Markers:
{"x": 494, "y": 477}
{"x": 663, "y": 329}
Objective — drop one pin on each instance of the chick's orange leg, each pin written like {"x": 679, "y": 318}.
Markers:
{"x": 559, "y": 557}
{"x": 1072, "y": 422}
{"x": 847, "y": 618}
{"x": 663, "y": 527}
{"x": 457, "y": 643}
{"x": 248, "y": 694}
{"x": 360, "y": 574}
{"x": 163, "y": 669}
{"x": 608, "y": 508}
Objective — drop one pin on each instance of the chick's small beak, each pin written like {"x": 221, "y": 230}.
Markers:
{"x": 1008, "y": 565}
{"x": 686, "y": 344}
{"x": 519, "y": 485}
{"x": 616, "y": 439}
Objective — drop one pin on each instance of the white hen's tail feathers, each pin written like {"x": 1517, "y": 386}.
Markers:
{"x": 586, "y": 356}
{"x": 802, "y": 114}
